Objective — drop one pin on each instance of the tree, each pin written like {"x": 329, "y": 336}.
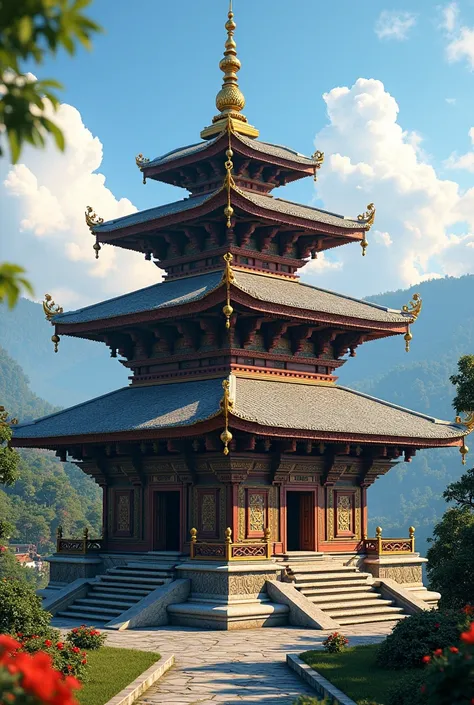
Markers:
{"x": 9, "y": 458}
{"x": 31, "y": 30}
{"x": 464, "y": 381}
{"x": 462, "y": 491}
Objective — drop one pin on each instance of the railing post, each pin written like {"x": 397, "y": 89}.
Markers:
{"x": 59, "y": 535}
{"x": 411, "y": 533}
{"x": 193, "y": 533}
{"x": 267, "y": 541}
{"x": 85, "y": 539}
{"x": 228, "y": 544}
{"x": 378, "y": 537}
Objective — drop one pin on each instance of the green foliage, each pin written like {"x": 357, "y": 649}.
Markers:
{"x": 335, "y": 643}
{"x": 67, "y": 658}
{"x": 462, "y": 491}
{"x": 6, "y": 529}
{"x": 407, "y": 690}
{"x": 451, "y": 557}
{"x": 21, "y": 611}
{"x": 9, "y": 458}
{"x": 12, "y": 283}
{"x": 304, "y": 700}
{"x": 11, "y": 569}
{"x": 33, "y": 30}
{"x": 449, "y": 676}
{"x": 420, "y": 634}
{"x": 464, "y": 381}
{"x": 86, "y": 638}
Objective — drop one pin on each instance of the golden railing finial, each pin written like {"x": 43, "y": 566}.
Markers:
{"x": 230, "y": 100}
{"x": 318, "y": 158}
{"x": 414, "y": 309}
{"x": 228, "y": 279}
{"x": 227, "y": 405}
{"x": 50, "y": 310}
{"x": 368, "y": 218}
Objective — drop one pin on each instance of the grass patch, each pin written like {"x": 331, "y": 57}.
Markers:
{"x": 110, "y": 670}
{"x": 355, "y": 672}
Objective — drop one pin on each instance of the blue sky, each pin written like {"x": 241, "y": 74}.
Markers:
{"x": 149, "y": 85}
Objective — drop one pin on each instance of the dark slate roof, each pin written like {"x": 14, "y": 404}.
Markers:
{"x": 132, "y": 409}
{"x": 274, "y": 150}
{"x": 287, "y": 292}
{"x": 152, "y": 214}
{"x": 279, "y": 205}
{"x": 332, "y": 409}
{"x": 165, "y": 294}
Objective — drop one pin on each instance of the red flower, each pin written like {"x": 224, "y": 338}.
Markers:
{"x": 48, "y": 642}
{"x": 84, "y": 661}
{"x": 468, "y": 637}
{"x": 438, "y": 652}
{"x": 426, "y": 659}
{"x": 8, "y": 645}
{"x": 468, "y": 609}
{"x": 436, "y": 625}
{"x": 423, "y": 688}
{"x": 75, "y": 630}
{"x": 454, "y": 649}
{"x": 75, "y": 649}
{"x": 60, "y": 645}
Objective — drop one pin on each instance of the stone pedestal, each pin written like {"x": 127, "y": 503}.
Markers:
{"x": 67, "y": 569}
{"x": 228, "y": 596}
{"x": 403, "y": 569}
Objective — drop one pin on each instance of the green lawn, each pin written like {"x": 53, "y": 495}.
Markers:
{"x": 355, "y": 672}
{"x": 110, "y": 670}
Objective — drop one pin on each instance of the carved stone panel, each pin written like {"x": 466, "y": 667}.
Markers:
{"x": 256, "y": 512}
{"x": 123, "y": 513}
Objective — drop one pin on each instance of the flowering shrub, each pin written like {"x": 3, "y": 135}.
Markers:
{"x": 86, "y": 637}
{"x": 67, "y": 658}
{"x": 27, "y": 679}
{"x": 335, "y": 643}
{"x": 420, "y": 634}
{"x": 21, "y": 609}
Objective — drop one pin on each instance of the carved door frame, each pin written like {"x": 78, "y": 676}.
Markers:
{"x": 154, "y": 490}
{"x": 283, "y": 513}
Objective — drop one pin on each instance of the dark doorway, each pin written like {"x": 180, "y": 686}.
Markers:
{"x": 167, "y": 521}
{"x": 300, "y": 521}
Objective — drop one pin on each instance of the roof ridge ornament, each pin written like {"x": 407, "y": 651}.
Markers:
{"x": 368, "y": 217}
{"x": 414, "y": 309}
{"x": 230, "y": 100}
{"x": 141, "y": 162}
{"x": 52, "y": 309}
{"x": 318, "y": 158}
{"x": 468, "y": 423}
{"x": 92, "y": 219}
{"x": 227, "y": 406}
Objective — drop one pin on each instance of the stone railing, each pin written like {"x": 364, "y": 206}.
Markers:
{"x": 230, "y": 551}
{"x": 379, "y": 546}
{"x": 79, "y": 547}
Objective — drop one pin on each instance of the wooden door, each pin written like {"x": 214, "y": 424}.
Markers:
{"x": 307, "y": 521}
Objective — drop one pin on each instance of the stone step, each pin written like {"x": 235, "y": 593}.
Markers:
{"x": 325, "y": 568}
{"x": 122, "y": 597}
{"x": 344, "y": 608}
{"x": 145, "y": 574}
{"x": 111, "y": 603}
{"x": 349, "y": 590}
{"x": 329, "y": 581}
{"x": 112, "y": 589}
{"x": 131, "y": 580}
{"x": 89, "y": 617}
{"x": 104, "y": 611}
{"x": 345, "y": 621}
{"x": 344, "y": 598}
{"x": 348, "y": 612}
{"x": 148, "y": 565}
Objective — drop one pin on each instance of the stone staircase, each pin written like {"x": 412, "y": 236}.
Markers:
{"x": 117, "y": 590}
{"x": 343, "y": 592}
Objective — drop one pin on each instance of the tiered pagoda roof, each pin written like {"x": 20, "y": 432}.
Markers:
{"x": 231, "y": 337}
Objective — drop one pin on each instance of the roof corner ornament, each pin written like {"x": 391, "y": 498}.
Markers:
{"x": 414, "y": 309}
{"x": 141, "y": 162}
{"x": 4, "y": 420}
{"x": 229, "y": 183}
{"x": 92, "y": 220}
{"x": 227, "y": 405}
{"x": 51, "y": 309}
{"x": 318, "y": 158}
{"x": 228, "y": 279}
{"x": 368, "y": 218}
{"x": 468, "y": 423}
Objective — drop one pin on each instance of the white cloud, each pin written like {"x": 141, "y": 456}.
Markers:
{"x": 371, "y": 158}
{"x": 451, "y": 101}
{"x": 394, "y": 25}
{"x": 463, "y": 161}
{"x": 460, "y": 45}
{"x": 45, "y": 198}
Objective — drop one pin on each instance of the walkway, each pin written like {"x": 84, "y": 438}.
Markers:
{"x": 231, "y": 668}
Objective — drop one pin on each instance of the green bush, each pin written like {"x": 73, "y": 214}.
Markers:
{"x": 86, "y": 638}
{"x": 67, "y": 658}
{"x": 418, "y": 635}
{"x": 21, "y": 611}
{"x": 408, "y": 690}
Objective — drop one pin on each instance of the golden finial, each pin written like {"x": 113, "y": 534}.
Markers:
{"x": 413, "y": 308}
{"x": 50, "y": 308}
{"x": 141, "y": 161}
{"x": 229, "y": 183}
{"x": 318, "y": 158}
{"x": 230, "y": 100}
{"x": 228, "y": 279}
{"x": 368, "y": 218}
{"x": 464, "y": 450}
{"x": 378, "y": 531}
{"x": 92, "y": 219}
{"x": 411, "y": 532}
{"x": 227, "y": 405}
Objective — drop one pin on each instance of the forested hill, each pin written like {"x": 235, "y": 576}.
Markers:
{"x": 48, "y": 492}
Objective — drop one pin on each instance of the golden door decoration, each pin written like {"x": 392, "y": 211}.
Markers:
{"x": 256, "y": 512}
{"x": 337, "y": 514}
{"x": 344, "y": 514}
{"x": 208, "y": 513}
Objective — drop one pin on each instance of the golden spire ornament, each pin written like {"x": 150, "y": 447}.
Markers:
{"x": 230, "y": 100}
{"x": 227, "y": 405}
{"x": 414, "y": 309}
{"x": 228, "y": 279}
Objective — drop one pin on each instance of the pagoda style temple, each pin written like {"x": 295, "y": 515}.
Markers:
{"x": 233, "y": 431}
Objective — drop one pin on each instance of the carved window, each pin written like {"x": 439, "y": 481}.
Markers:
{"x": 123, "y": 513}
{"x": 208, "y": 513}
{"x": 257, "y": 516}
{"x": 344, "y": 506}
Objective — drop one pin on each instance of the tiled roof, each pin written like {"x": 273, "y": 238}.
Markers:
{"x": 181, "y": 152}
{"x": 157, "y": 296}
{"x": 279, "y": 205}
{"x": 284, "y": 405}
{"x": 287, "y": 292}
{"x": 151, "y": 214}
{"x": 332, "y": 409}
{"x": 132, "y": 409}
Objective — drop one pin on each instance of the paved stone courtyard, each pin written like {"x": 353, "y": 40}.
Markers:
{"x": 234, "y": 667}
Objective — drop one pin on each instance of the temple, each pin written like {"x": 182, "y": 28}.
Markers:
{"x": 233, "y": 440}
